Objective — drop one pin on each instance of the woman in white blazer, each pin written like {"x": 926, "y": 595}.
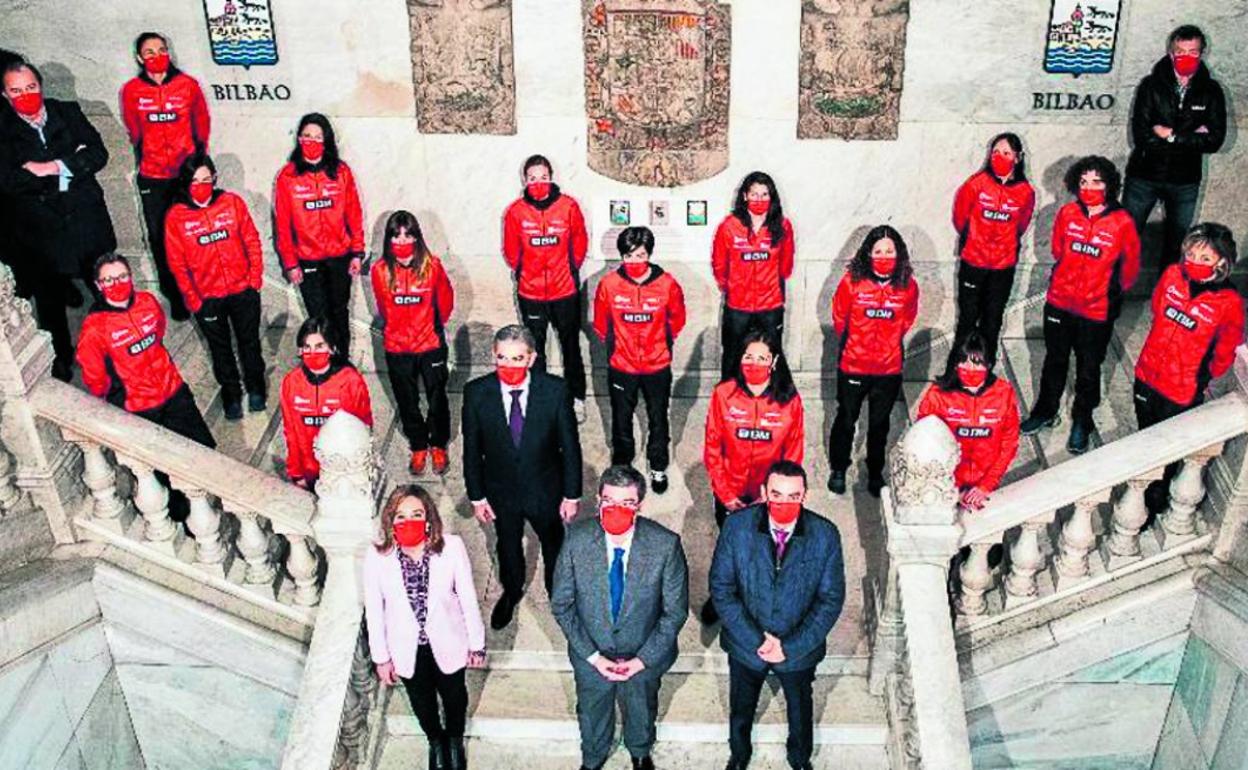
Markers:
{"x": 424, "y": 626}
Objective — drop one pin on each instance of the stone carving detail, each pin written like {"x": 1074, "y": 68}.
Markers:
{"x": 349, "y": 466}
{"x": 921, "y": 466}
{"x": 462, "y": 66}
{"x": 656, "y": 89}
{"x": 850, "y": 68}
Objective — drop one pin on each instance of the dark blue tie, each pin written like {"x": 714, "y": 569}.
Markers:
{"x": 617, "y": 583}
{"x": 515, "y": 420}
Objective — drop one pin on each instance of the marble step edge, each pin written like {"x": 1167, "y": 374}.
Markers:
{"x": 709, "y": 661}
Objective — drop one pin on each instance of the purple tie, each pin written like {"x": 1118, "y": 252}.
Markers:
{"x": 515, "y": 420}
{"x": 782, "y": 538}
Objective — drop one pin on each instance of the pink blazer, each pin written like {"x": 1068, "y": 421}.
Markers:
{"x": 453, "y": 623}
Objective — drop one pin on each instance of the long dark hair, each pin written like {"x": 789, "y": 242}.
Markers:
{"x": 775, "y": 215}
{"x": 860, "y": 265}
{"x": 1020, "y": 165}
{"x": 186, "y": 174}
{"x": 781, "y": 390}
{"x": 318, "y": 324}
{"x": 405, "y": 220}
{"x": 330, "y": 161}
{"x": 1104, "y": 168}
{"x": 385, "y": 540}
{"x": 974, "y": 349}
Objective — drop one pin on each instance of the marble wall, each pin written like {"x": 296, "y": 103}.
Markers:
{"x": 970, "y": 71}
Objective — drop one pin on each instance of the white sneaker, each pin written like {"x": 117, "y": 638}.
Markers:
{"x": 658, "y": 482}
{"x": 578, "y": 408}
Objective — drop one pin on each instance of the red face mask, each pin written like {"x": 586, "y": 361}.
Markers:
{"x": 972, "y": 377}
{"x": 28, "y": 104}
{"x": 884, "y": 266}
{"x": 403, "y": 250}
{"x": 618, "y": 519}
{"x": 755, "y": 374}
{"x": 511, "y": 375}
{"x": 1185, "y": 66}
{"x": 1001, "y": 165}
{"x": 201, "y": 193}
{"x": 157, "y": 65}
{"x": 539, "y": 191}
{"x": 1092, "y": 197}
{"x": 118, "y": 292}
{"x": 1198, "y": 272}
{"x": 758, "y": 208}
{"x": 410, "y": 533}
{"x": 316, "y": 360}
{"x": 783, "y": 513}
{"x": 636, "y": 270}
{"x": 312, "y": 150}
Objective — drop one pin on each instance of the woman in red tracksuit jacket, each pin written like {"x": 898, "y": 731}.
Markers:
{"x": 415, "y": 300}
{"x": 755, "y": 418}
{"x": 166, "y": 117}
{"x": 1098, "y": 259}
{"x": 318, "y": 225}
{"x": 639, "y": 311}
{"x": 991, "y": 211}
{"x": 215, "y": 256}
{"x": 312, "y": 392}
{"x": 873, "y": 308}
{"x": 751, "y": 258}
{"x": 982, "y": 412}
{"x": 544, "y": 244}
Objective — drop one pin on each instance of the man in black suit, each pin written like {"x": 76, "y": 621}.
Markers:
{"x": 621, "y": 597}
{"x": 522, "y": 460}
{"x": 49, "y": 156}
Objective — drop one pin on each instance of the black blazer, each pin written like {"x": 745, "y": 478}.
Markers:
{"x": 544, "y": 470}
{"x": 65, "y": 229}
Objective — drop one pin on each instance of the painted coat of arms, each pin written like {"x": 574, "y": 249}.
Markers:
{"x": 462, "y": 66}
{"x": 1082, "y": 37}
{"x": 241, "y": 32}
{"x": 850, "y": 67}
{"x": 656, "y": 89}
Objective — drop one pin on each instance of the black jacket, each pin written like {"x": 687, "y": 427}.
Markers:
{"x": 545, "y": 469}
{"x": 1157, "y": 103}
{"x": 60, "y": 230}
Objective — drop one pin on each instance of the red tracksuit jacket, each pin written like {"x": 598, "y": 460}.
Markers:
{"x": 416, "y": 309}
{"x": 1193, "y": 338}
{"x": 745, "y": 434}
{"x": 308, "y": 401}
{"x": 213, "y": 251}
{"x": 985, "y": 425}
{"x": 123, "y": 357}
{"x": 639, "y": 321}
{"x": 315, "y": 217}
{"x": 991, "y": 218}
{"x": 545, "y": 246}
{"x": 165, "y": 122}
{"x": 871, "y": 319}
{"x": 1098, "y": 259}
{"x": 750, "y": 270}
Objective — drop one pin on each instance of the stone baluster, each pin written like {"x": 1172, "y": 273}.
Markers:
{"x": 353, "y": 731}
{"x": 1077, "y": 540}
{"x": 303, "y": 564}
{"x": 1187, "y": 489}
{"x": 151, "y": 497}
{"x": 204, "y": 521}
{"x": 1129, "y": 517}
{"x": 101, "y": 478}
{"x": 1026, "y": 559}
{"x": 253, "y": 543}
{"x": 974, "y": 578}
{"x": 11, "y": 498}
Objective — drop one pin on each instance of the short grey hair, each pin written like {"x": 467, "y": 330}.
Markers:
{"x": 515, "y": 333}
{"x": 623, "y": 476}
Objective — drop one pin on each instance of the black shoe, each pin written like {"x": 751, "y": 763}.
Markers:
{"x": 437, "y": 755}
{"x": 503, "y": 612}
{"x": 63, "y": 369}
{"x": 1077, "y": 444}
{"x": 874, "y": 485}
{"x": 1035, "y": 423}
{"x": 658, "y": 482}
{"x": 836, "y": 483}
{"x": 256, "y": 402}
{"x": 456, "y": 756}
{"x": 73, "y": 297}
{"x": 587, "y": 767}
{"x": 643, "y": 763}
{"x": 233, "y": 410}
{"x": 709, "y": 615}
{"x": 737, "y": 764}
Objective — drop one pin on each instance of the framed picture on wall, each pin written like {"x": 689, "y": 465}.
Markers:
{"x": 695, "y": 213}
{"x": 620, "y": 213}
{"x": 659, "y": 211}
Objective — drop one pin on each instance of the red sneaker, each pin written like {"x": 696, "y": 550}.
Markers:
{"x": 417, "y": 465}
{"x": 440, "y": 461}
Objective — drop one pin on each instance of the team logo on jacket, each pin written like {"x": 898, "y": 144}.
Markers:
{"x": 997, "y": 216}
{"x": 883, "y": 313}
{"x": 973, "y": 431}
{"x": 143, "y": 344}
{"x": 753, "y": 434}
{"x": 755, "y": 256}
{"x": 314, "y": 420}
{"x": 408, "y": 299}
{"x": 241, "y": 32}
{"x": 637, "y": 318}
{"x": 162, "y": 117}
{"x": 1079, "y": 247}
{"x": 319, "y": 203}
{"x": 1181, "y": 318}
{"x": 544, "y": 240}
{"x": 213, "y": 237}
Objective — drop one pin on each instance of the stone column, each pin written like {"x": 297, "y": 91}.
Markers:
{"x": 1228, "y": 487}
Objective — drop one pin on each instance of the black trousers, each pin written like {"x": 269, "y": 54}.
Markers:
{"x": 744, "y": 686}
{"x": 733, "y": 328}
{"x": 722, "y": 512}
{"x": 326, "y": 291}
{"x": 426, "y": 685}
{"x": 595, "y": 713}
{"x": 407, "y": 372}
{"x": 880, "y": 392}
{"x": 509, "y": 527}
{"x": 982, "y": 297}
{"x": 565, "y": 315}
{"x": 1151, "y": 408}
{"x": 1064, "y": 332}
{"x": 50, "y": 314}
{"x": 1140, "y": 195}
{"x": 241, "y": 313}
{"x": 656, "y": 388}
{"x": 181, "y": 415}
{"x": 157, "y": 198}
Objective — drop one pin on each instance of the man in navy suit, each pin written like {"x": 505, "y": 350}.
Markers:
{"x": 778, "y": 583}
{"x": 522, "y": 460}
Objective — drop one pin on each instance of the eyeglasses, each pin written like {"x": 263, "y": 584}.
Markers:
{"x": 123, "y": 278}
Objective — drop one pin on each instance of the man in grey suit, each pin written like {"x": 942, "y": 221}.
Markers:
{"x": 621, "y": 597}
